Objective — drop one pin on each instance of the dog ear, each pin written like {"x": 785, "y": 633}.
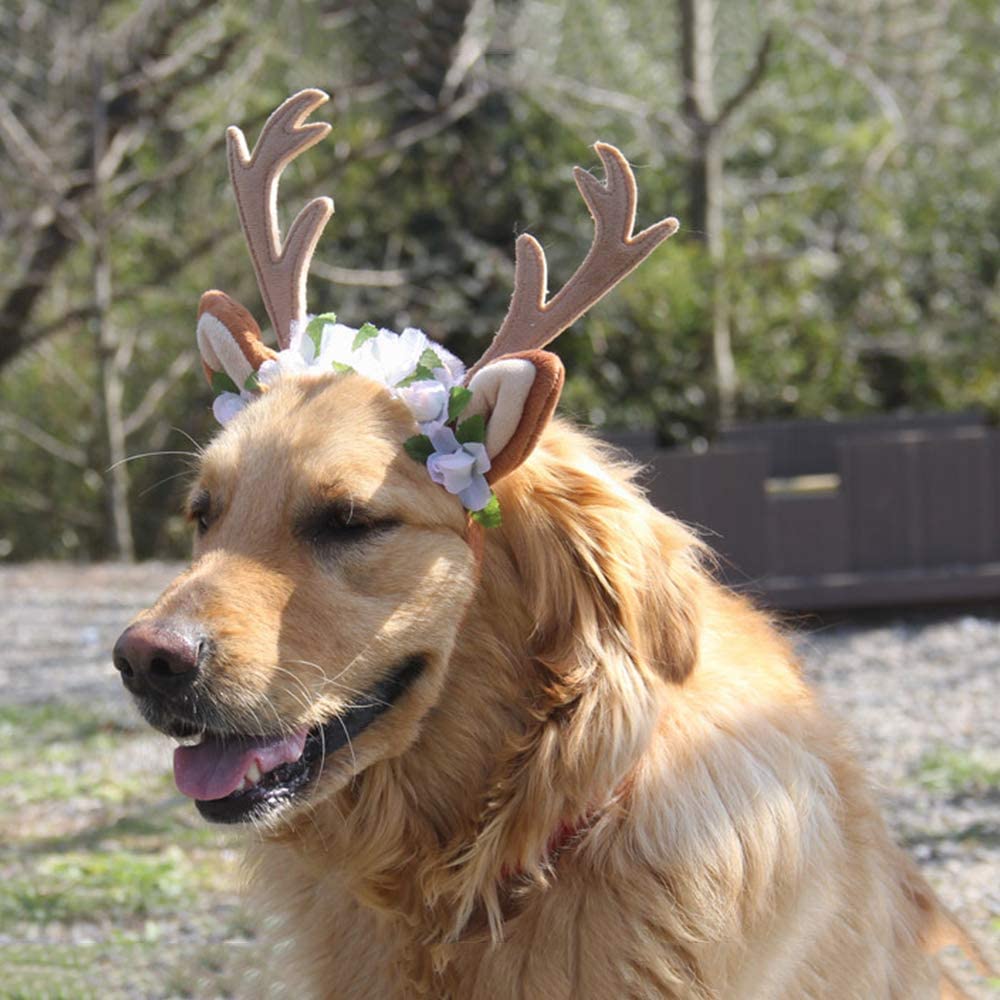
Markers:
{"x": 229, "y": 339}
{"x": 516, "y": 395}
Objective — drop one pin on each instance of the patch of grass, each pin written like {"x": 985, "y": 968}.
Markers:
{"x": 111, "y": 885}
{"x": 125, "y": 967}
{"x": 57, "y": 728}
{"x": 67, "y": 973}
{"x": 115, "y": 885}
{"x": 59, "y": 752}
{"x": 958, "y": 772}
{"x": 211, "y": 970}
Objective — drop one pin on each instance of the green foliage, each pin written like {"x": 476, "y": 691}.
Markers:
{"x": 419, "y": 448}
{"x": 489, "y": 516}
{"x": 365, "y": 333}
{"x": 472, "y": 430}
{"x": 458, "y": 400}
{"x": 221, "y": 382}
{"x": 314, "y": 328}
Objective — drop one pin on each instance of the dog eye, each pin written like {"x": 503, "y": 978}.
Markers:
{"x": 339, "y": 523}
{"x": 199, "y": 511}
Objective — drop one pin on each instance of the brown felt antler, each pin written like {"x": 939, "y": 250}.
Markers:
{"x": 531, "y": 322}
{"x": 281, "y": 267}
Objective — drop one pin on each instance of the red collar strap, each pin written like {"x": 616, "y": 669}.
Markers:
{"x": 561, "y": 840}
{"x": 568, "y": 832}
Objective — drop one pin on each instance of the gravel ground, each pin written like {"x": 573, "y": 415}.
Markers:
{"x": 921, "y": 693}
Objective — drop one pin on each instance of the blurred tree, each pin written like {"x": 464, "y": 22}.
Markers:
{"x": 859, "y": 269}
{"x": 706, "y": 120}
{"x": 88, "y": 90}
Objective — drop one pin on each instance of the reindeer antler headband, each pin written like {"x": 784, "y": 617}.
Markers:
{"x": 505, "y": 399}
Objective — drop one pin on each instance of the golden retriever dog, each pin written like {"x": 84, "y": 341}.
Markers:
{"x": 550, "y": 758}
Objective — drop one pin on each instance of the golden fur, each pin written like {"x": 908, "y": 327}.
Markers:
{"x": 588, "y": 669}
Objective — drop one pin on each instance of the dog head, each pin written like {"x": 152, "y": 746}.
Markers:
{"x": 313, "y": 632}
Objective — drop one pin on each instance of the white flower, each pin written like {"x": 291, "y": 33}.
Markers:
{"x": 287, "y": 362}
{"x": 300, "y": 344}
{"x": 226, "y": 405}
{"x": 459, "y": 468}
{"x": 387, "y": 358}
{"x": 336, "y": 345}
{"x": 427, "y": 400}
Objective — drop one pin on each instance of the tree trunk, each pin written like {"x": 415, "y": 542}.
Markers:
{"x": 713, "y": 166}
{"x": 111, "y": 358}
{"x": 705, "y": 185}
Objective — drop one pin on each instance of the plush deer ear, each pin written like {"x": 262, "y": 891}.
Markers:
{"x": 516, "y": 395}
{"x": 229, "y": 339}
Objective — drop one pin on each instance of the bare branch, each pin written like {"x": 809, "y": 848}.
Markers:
{"x": 48, "y": 177}
{"x": 148, "y": 407}
{"x": 21, "y": 146}
{"x": 751, "y": 82}
{"x": 150, "y": 73}
{"x": 616, "y": 101}
{"x": 403, "y": 139}
{"x": 359, "y": 276}
{"x": 132, "y": 195}
{"x": 879, "y": 90}
{"x": 68, "y": 320}
{"x": 124, "y": 142}
{"x": 33, "y": 500}
{"x": 470, "y": 49}
{"x": 33, "y": 433}
{"x": 55, "y": 364}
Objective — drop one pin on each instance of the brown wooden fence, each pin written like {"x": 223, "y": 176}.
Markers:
{"x": 818, "y": 515}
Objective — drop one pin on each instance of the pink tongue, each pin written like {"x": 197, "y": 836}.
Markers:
{"x": 214, "y": 769}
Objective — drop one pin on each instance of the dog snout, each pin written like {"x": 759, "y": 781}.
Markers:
{"x": 159, "y": 658}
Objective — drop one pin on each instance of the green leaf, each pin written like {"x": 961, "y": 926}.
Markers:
{"x": 252, "y": 384}
{"x": 419, "y": 448}
{"x": 489, "y": 516}
{"x": 221, "y": 382}
{"x": 314, "y": 331}
{"x": 341, "y": 369}
{"x": 430, "y": 359}
{"x": 367, "y": 331}
{"x": 473, "y": 429}
{"x": 458, "y": 400}
{"x": 420, "y": 375}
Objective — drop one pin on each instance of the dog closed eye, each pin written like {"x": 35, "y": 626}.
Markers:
{"x": 199, "y": 511}
{"x": 341, "y": 522}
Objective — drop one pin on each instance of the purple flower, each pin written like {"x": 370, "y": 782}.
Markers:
{"x": 226, "y": 405}
{"x": 459, "y": 468}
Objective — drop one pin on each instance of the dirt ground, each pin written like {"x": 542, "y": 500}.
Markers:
{"x": 112, "y": 887}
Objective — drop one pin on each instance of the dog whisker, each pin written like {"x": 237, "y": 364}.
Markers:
{"x": 167, "y": 479}
{"x": 150, "y": 454}
{"x": 200, "y": 449}
{"x": 333, "y": 681}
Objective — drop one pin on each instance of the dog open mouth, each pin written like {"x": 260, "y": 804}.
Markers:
{"x": 235, "y": 778}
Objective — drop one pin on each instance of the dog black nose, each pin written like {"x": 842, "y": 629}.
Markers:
{"x": 159, "y": 658}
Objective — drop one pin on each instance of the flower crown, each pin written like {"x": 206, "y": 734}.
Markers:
{"x": 475, "y": 426}
{"x": 415, "y": 370}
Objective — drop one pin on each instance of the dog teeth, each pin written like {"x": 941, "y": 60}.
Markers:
{"x": 252, "y": 776}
